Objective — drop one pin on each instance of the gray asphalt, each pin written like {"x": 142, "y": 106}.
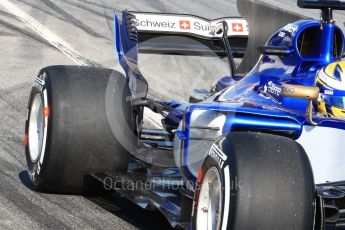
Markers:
{"x": 87, "y": 25}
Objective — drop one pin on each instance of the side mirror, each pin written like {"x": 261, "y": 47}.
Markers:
{"x": 275, "y": 50}
{"x": 305, "y": 92}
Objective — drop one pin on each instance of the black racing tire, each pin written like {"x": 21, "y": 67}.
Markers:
{"x": 75, "y": 137}
{"x": 265, "y": 182}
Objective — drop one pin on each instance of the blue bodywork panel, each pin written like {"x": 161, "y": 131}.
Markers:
{"x": 254, "y": 102}
{"x": 126, "y": 48}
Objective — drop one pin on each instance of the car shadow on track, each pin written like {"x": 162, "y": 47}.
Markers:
{"x": 131, "y": 213}
{"x": 119, "y": 207}
{"x": 25, "y": 179}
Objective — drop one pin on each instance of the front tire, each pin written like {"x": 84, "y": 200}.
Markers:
{"x": 254, "y": 181}
{"x": 69, "y": 131}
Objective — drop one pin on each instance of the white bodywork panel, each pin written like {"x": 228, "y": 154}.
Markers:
{"x": 198, "y": 148}
{"x": 188, "y": 24}
{"x": 325, "y": 148}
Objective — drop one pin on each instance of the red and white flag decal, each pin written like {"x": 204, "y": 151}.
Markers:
{"x": 237, "y": 27}
{"x": 190, "y": 24}
{"x": 185, "y": 25}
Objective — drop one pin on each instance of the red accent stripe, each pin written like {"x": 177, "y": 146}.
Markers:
{"x": 46, "y": 112}
{"x": 26, "y": 139}
{"x": 200, "y": 176}
{"x": 198, "y": 187}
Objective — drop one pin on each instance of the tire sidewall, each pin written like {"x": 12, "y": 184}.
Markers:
{"x": 278, "y": 158}
{"x": 36, "y": 169}
{"x": 226, "y": 170}
{"x": 80, "y": 143}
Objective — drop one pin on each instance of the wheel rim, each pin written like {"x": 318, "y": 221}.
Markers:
{"x": 210, "y": 201}
{"x": 36, "y": 128}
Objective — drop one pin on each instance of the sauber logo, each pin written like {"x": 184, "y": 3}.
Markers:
{"x": 185, "y": 25}
{"x": 237, "y": 27}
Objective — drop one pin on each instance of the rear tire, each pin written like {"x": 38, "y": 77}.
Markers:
{"x": 69, "y": 131}
{"x": 255, "y": 181}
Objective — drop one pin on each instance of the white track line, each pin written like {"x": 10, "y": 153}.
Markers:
{"x": 60, "y": 44}
{"x": 46, "y": 34}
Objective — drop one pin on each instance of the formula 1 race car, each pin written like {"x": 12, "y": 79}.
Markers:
{"x": 263, "y": 149}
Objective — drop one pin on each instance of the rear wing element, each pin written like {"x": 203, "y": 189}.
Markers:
{"x": 138, "y": 32}
{"x": 185, "y": 25}
{"x": 177, "y": 34}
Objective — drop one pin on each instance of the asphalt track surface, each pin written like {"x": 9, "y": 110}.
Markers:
{"x": 87, "y": 27}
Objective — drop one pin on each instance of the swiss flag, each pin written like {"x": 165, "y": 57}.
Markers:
{"x": 185, "y": 25}
{"x": 237, "y": 27}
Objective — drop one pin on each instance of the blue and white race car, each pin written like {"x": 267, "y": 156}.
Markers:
{"x": 261, "y": 150}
